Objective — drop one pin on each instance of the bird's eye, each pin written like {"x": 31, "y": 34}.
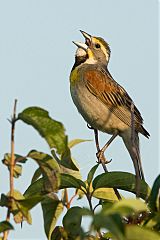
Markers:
{"x": 97, "y": 45}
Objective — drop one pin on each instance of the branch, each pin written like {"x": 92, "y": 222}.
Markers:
{"x": 12, "y": 164}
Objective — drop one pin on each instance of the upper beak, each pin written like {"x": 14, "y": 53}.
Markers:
{"x": 81, "y": 45}
{"x": 87, "y": 36}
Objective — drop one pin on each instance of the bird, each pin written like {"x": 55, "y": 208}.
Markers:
{"x": 103, "y": 103}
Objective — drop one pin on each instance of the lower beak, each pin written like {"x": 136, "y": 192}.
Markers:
{"x": 81, "y": 45}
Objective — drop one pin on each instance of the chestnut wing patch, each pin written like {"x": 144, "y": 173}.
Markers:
{"x": 110, "y": 93}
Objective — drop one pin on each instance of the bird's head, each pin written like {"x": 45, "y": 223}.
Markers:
{"x": 94, "y": 50}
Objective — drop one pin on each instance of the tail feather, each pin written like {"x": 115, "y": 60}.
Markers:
{"x": 138, "y": 155}
{"x": 134, "y": 152}
{"x": 144, "y": 132}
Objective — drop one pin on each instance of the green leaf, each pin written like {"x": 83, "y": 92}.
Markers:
{"x": 49, "y": 168}
{"x": 68, "y": 181}
{"x": 127, "y": 207}
{"x": 18, "y": 158}
{"x": 53, "y": 131}
{"x": 120, "y": 180}
{"x": 136, "y": 232}
{"x": 69, "y": 171}
{"x": 72, "y": 222}
{"x": 59, "y": 234}
{"x": 36, "y": 175}
{"x": 66, "y": 159}
{"x": 106, "y": 205}
{"x": 35, "y": 189}
{"x": 86, "y": 212}
{"x": 105, "y": 194}
{"x": 35, "y": 193}
{"x": 90, "y": 237}
{"x": 152, "y": 201}
{"x": 136, "y": 205}
{"x": 91, "y": 174}
{"x": 19, "y": 211}
{"x": 5, "y": 226}
{"x": 17, "y": 170}
{"x": 18, "y": 197}
{"x": 18, "y": 217}
{"x": 18, "y": 167}
{"x": 23, "y": 211}
{"x": 74, "y": 142}
{"x": 108, "y": 235}
{"x": 29, "y": 203}
{"x": 52, "y": 209}
{"x": 153, "y": 221}
{"x": 4, "y": 202}
{"x": 80, "y": 193}
{"x": 111, "y": 222}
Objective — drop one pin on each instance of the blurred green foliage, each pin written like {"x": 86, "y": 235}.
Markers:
{"x": 124, "y": 219}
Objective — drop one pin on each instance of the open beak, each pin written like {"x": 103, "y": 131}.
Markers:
{"x": 81, "y": 45}
{"x": 87, "y": 37}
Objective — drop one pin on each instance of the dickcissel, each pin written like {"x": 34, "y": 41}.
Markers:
{"x": 102, "y": 102}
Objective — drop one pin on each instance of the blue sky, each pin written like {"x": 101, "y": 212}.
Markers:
{"x": 36, "y": 56}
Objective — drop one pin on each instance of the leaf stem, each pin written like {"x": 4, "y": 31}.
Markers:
{"x": 66, "y": 198}
{"x": 12, "y": 164}
{"x": 90, "y": 203}
{"x": 98, "y": 204}
{"x": 70, "y": 201}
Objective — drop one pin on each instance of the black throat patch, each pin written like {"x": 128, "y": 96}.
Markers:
{"x": 79, "y": 60}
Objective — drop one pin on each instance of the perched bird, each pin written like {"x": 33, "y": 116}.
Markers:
{"x": 102, "y": 102}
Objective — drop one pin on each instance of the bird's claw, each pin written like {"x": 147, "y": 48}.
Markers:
{"x": 101, "y": 158}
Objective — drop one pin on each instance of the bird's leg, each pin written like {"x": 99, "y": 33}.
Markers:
{"x": 100, "y": 153}
{"x": 95, "y": 136}
{"x": 103, "y": 159}
{"x": 96, "y": 139}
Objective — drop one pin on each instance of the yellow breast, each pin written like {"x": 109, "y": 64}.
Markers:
{"x": 74, "y": 76}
